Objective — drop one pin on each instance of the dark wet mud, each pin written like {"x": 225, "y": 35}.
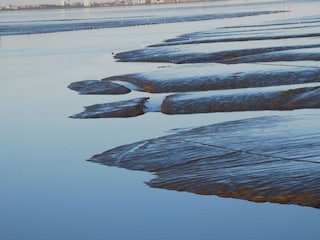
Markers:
{"x": 98, "y": 87}
{"x": 303, "y": 29}
{"x": 269, "y": 43}
{"x": 178, "y": 55}
{"x": 271, "y": 66}
{"x": 203, "y": 77}
{"x": 212, "y": 101}
{"x": 242, "y": 101}
{"x": 269, "y": 159}
{"x": 123, "y": 109}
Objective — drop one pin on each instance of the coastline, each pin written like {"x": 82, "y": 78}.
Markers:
{"x": 92, "y": 5}
{"x": 46, "y": 182}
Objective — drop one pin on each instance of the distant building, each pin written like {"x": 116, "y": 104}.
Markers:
{"x": 154, "y": 1}
{"x": 86, "y": 3}
{"x": 135, "y": 2}
{"x": 170, "y": 1}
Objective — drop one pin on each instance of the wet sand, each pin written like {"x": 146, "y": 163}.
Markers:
{"x": 45, "y": 182}
{"x": 228, "y": 69}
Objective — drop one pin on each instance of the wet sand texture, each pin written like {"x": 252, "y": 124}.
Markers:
{"x": 268, "y": 159}
{"x": 228, "y": 102}
{"x": 272, "y": 66}
{"x": 282, "y": 41}
{"x": 283, "y": 30}
{"x": 212, "y": 101}
{"x": 98, "y": 87}
{"x": 122, "y": 109}
{"x": 203, "y": 77}
{"x": 264, "y": 54}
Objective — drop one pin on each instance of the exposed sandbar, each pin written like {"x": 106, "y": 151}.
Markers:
{"x": 229, "y": 101}
{"x": 121, "y": 109}
{"x": 98, "y": 87}
{"x": 269, "y": 159}
{"x": 203, "y": 77}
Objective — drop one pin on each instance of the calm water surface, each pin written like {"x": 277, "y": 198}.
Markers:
{"x": 49, "y": 191}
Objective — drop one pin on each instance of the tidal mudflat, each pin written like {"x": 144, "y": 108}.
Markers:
{"x": 253, "y": 159}
{"x": 49, "y": 190}
{"x": 267, "y": 66}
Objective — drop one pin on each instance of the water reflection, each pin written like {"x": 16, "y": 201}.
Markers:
{"x": 49, "y": 191}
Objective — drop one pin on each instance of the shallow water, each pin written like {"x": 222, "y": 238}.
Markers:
{"x": 49, "y": 191}
{"x": 49, "y": 21}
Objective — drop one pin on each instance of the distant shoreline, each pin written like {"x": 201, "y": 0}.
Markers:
{"x": 92, "y": 5}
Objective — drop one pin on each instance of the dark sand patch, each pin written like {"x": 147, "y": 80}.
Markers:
{"x": 269, "y": 159}
{"x": 223, "y": 45}
{"x": 98, "y": 87}
{"x": 300, "y": 98}
{"x": 121, "y": 109}
{"x": 218, "y": 77}
{"x": 172, "y": 54}
{"x": 246, "y": 33}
